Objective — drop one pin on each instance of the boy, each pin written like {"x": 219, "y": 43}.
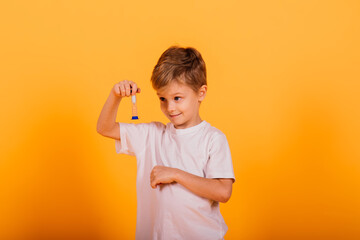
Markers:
{"x": 187, "y": 162}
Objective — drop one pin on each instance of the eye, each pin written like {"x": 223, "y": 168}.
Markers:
{"x": 162, "y": 99}
{"x": 177, "y": 98}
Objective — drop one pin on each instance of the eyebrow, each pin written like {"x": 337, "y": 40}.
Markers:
{"x": 178, "y": 93}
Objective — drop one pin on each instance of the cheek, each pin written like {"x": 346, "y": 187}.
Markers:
{"x": 186, "y": 106}
{"x": 191, "y": 107}
{"x": 162, "y": 107}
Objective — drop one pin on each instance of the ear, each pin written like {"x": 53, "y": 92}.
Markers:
{"x": 202, "y": 93}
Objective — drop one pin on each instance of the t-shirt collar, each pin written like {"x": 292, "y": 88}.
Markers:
{"x": 186, "y": 130}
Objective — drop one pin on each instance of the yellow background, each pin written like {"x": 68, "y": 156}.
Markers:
{"x": 284, "y": 86}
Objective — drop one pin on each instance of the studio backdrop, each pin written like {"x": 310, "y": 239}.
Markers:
{"x": 283, "y": 85}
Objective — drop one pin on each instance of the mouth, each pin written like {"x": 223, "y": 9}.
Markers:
{"x": 174, "y": 115}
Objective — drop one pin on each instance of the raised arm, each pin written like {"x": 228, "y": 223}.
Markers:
{"x": 106, "y": 124}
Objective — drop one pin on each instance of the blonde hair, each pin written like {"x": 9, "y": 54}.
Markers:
{"x": 184, "y": 65}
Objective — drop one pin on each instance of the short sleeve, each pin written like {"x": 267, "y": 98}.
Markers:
{"x": 219, "y": 164}
{"x": 134, "y": 137}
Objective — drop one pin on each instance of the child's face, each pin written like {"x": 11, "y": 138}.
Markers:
{"x": 181, "y": 104}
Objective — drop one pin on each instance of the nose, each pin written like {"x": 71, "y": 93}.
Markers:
{"x": 170, "y": 106}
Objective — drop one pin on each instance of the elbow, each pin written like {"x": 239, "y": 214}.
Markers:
{"x": 225, "y": 197}
{"x": 102, "y": 132}
{"x": 99, "y": 129}
{"x": 108, "y": 131}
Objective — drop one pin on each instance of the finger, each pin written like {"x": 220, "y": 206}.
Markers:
{"x": 152, "y": 177}
{"x": 134, "y": 89}
{"x": 122, "y": 90}
{"x": 127, "y": 89}
{"x": 137, "y": 90}
{"x": 153, "y": 184}
{"x": 117, "y": 90}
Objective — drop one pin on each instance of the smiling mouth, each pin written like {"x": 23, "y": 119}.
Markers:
{"x": 174, "y": 115}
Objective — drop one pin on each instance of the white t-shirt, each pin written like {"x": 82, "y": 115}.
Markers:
{"x": 171, "y": 211}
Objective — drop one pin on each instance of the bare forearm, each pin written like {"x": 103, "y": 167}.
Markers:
{"x": 214, "y": 189}
{"x": 106, "y": 124}
{"x": 107, "y": 118}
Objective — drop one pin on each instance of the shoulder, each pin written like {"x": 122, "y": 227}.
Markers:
{"x": 214, "y": 133}
{"x": 157, "y": 125}
{"x": 156, "y": 128}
